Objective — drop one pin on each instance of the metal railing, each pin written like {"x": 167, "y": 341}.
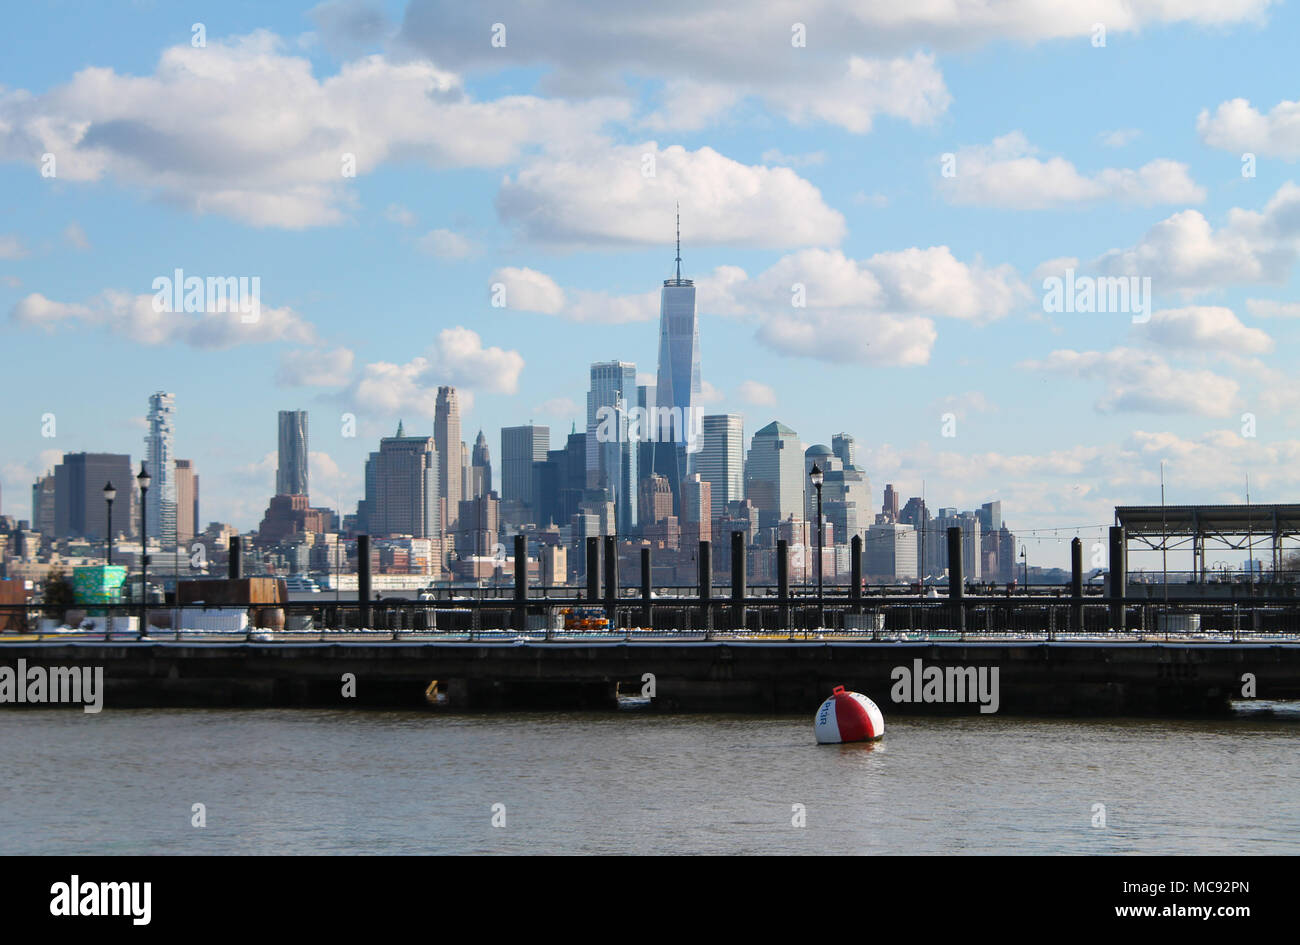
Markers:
{"x": 762, "y": 617}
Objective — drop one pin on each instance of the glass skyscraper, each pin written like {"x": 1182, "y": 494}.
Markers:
{"x": 611, "y": 447}
{"x": 291, "y": 473}
{"x": 677, "y": 386}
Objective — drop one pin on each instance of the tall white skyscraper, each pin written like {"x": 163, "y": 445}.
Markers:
{"x": 721, "y": 461}
{"x": 678, "y": 382}
{"x": 611, "y": 448}
{"x": 160, "y": 460}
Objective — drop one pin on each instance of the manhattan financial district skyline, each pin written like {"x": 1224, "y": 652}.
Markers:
{"x": 651, "y": 467}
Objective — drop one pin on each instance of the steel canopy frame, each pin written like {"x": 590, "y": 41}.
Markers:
{"x": 1235, "y": 527}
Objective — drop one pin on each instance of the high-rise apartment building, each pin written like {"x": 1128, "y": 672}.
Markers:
{"x": 160, "y": 460}
{"x": 291, "y": 473}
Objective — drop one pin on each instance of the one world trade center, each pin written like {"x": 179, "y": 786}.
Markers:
{"x": 677, "y": 387}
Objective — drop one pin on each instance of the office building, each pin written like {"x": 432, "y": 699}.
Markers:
{"x": 774, "y": 474}
{"x": 521, "y": 447}
{"x": 678, "y": 383}
{"x": 721, "y": 460}
{"x": 187, "y": 501}
{"x": 446, "y": 439}
{"x": 80, "y": 510}
{"x": 611, "y": 446}
{"x": 402, "y": 489}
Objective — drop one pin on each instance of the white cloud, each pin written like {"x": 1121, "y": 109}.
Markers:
{"x": 11, "y": 247}
{"x": 1270, "y": 308}
{"x": 732, "y": 49}
{"x": 875, "y": 311}
{"x": 527, "y": 290}
{"x": 284, "y": 132}
{"x": 1119, "y": 137}
{"x": 459, "y": 356}
{"x": 1237, "y": 126}
{"x": 1007, "y": 173}
{"x": 1184, "y": 253}
{"x": 1209, "y": 328}
{"x": 134, "y": 318}
{"x": 1141, "y": 382}
{"x": 757, "y": 394}
{"x": 601, "y": 198}
{"x": 444, "y": 244}
{"x": 314, "y": 367}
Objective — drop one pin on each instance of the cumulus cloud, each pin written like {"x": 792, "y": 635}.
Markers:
{"x": 856, "y": 60}
{"x": 1237, "y": 126}
{"x": 134, "y": 318}
{"x": 286, "y": 135}
{"x": 1209, "y": 328}
{"x": 527, "y": 290}
{"x": 1184, "y": 253}
{"x": 815, "y": 303}
{"x": 1137, "y": 381}
{"x": 1008, "y": 173}
{"x": 606, "y": 197}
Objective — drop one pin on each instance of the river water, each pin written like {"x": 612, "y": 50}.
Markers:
{"x": 299, "y": 781}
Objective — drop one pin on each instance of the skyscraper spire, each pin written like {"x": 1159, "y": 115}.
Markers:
{"x": 679, "y": 241}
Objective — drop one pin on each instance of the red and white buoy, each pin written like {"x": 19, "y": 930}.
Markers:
{"x": 848, "y": 717}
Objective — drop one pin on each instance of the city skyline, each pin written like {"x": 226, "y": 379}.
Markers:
{"x": 924, "y": 300}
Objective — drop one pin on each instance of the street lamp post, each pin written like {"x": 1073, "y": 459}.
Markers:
{"x": 143, "y": 480}
{"x": 1024, "y": 560}
{"x": 815, "y": 474}
{"x": 109, "y": 495}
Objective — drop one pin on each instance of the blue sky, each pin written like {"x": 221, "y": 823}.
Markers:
{"x": 819, "y": 165}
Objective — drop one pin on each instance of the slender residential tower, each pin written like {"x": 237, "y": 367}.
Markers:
{"x": 677, "y": 387}
{"x": 291, "y": 473}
